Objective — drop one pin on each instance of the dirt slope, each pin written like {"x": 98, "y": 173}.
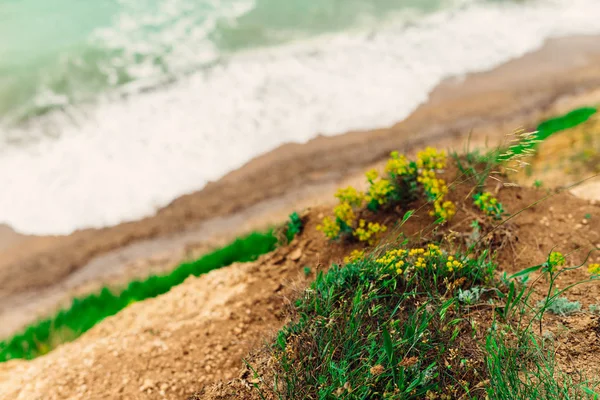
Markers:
{"x": 198, "y": 333}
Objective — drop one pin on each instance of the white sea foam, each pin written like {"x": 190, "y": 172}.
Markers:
{"x": 121, "y": 160}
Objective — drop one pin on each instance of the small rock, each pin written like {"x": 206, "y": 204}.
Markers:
{"x": 295, "y": 255}
{"x": 146, "y": 385}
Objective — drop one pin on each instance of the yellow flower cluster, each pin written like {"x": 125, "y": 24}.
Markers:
{"x": 445, "y": 210}
{"x": 453, "y": 264}
{"x": 594, "y": 269}
{"x": 555, "y": 260}
{"x": 372, "y": 175}
{"x": 379, "y": 191}
{"x": 433, "y": 251}
{"x": 414, "y": 252}
{"x": 369, "y": 232}
{"x": 434, "y": 187}
{"x": 395, "y": 259}
{"x": 398, "y": 165}
{"x": 354, "y": 255}
{"x": 431, "y": 159}
{"x": 329, "y": 227}
{"x": 420, "y": 263}
{"x": 345, "y": 213}
{"x": 386, "y": 188}
{"x": 351, "y": 196}
{"x": 399, "y": 259}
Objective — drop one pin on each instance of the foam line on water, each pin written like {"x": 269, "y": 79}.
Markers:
{"x": 121, "y": 160}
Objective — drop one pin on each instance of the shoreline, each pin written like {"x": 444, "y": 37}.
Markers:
{"x": 550, "y": 80}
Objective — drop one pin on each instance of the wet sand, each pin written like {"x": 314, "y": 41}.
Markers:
{"x": 40, "y": 273}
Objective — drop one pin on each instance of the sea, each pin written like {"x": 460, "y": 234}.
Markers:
{"x": 111, "y": 109}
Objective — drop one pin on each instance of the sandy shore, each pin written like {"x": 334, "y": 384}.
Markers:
{"x": 39, "y": 273}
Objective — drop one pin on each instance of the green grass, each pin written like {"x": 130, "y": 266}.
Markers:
{"x": 551, "y": 126}
{"x": 363, "y": 331}
{"x": 86, "y": 312}
{"x": 521, "y": 366}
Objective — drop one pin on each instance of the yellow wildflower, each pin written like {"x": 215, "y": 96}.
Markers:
{"x": 594, "y": 269}
{"x": 433, "y": 250}
{"x": 372, "y": 175}
{"x": 391, "y": 256}
{"x": 431, "y": 158}
{"x": 399, "y": 265}
{"x": 453, "y": 264}
{"x": 435, "y": 188}
{"x": 345, "y": 213}
{"x": 397, "y": 164}
{"x": 354, "y": 255}
{"x": 379, "y": 191}
{"x": 369, "y": 233}
{"x": 445, "y": 210}
{"x": 420, "y": 263}
{"x": 555, "y": 260}
{"x": 329, "y": 227}
{"x": 393, "y": 259}
{"x": 416, "y": 251}
{"x": 351, "y": 196}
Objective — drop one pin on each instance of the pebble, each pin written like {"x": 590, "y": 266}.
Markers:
{"x": 146, "y": 385}
{"x": 295, "y": 255}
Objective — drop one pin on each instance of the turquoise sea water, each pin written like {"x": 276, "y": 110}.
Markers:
{"x": 110, "y": 109}
{"x": 56, "y": 52}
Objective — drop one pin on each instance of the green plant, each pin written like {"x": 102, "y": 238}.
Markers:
{"x": 470, "y": 296}
{"x": 519, "y": 366}
{"x": 489, "y": 205}
{"x": 294, "y": 226}
{"x": 380, "y": 327}
{"x": 477, "y": 166}
{"x": 546, "y": 129}
{"x": 561, "y": 306}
